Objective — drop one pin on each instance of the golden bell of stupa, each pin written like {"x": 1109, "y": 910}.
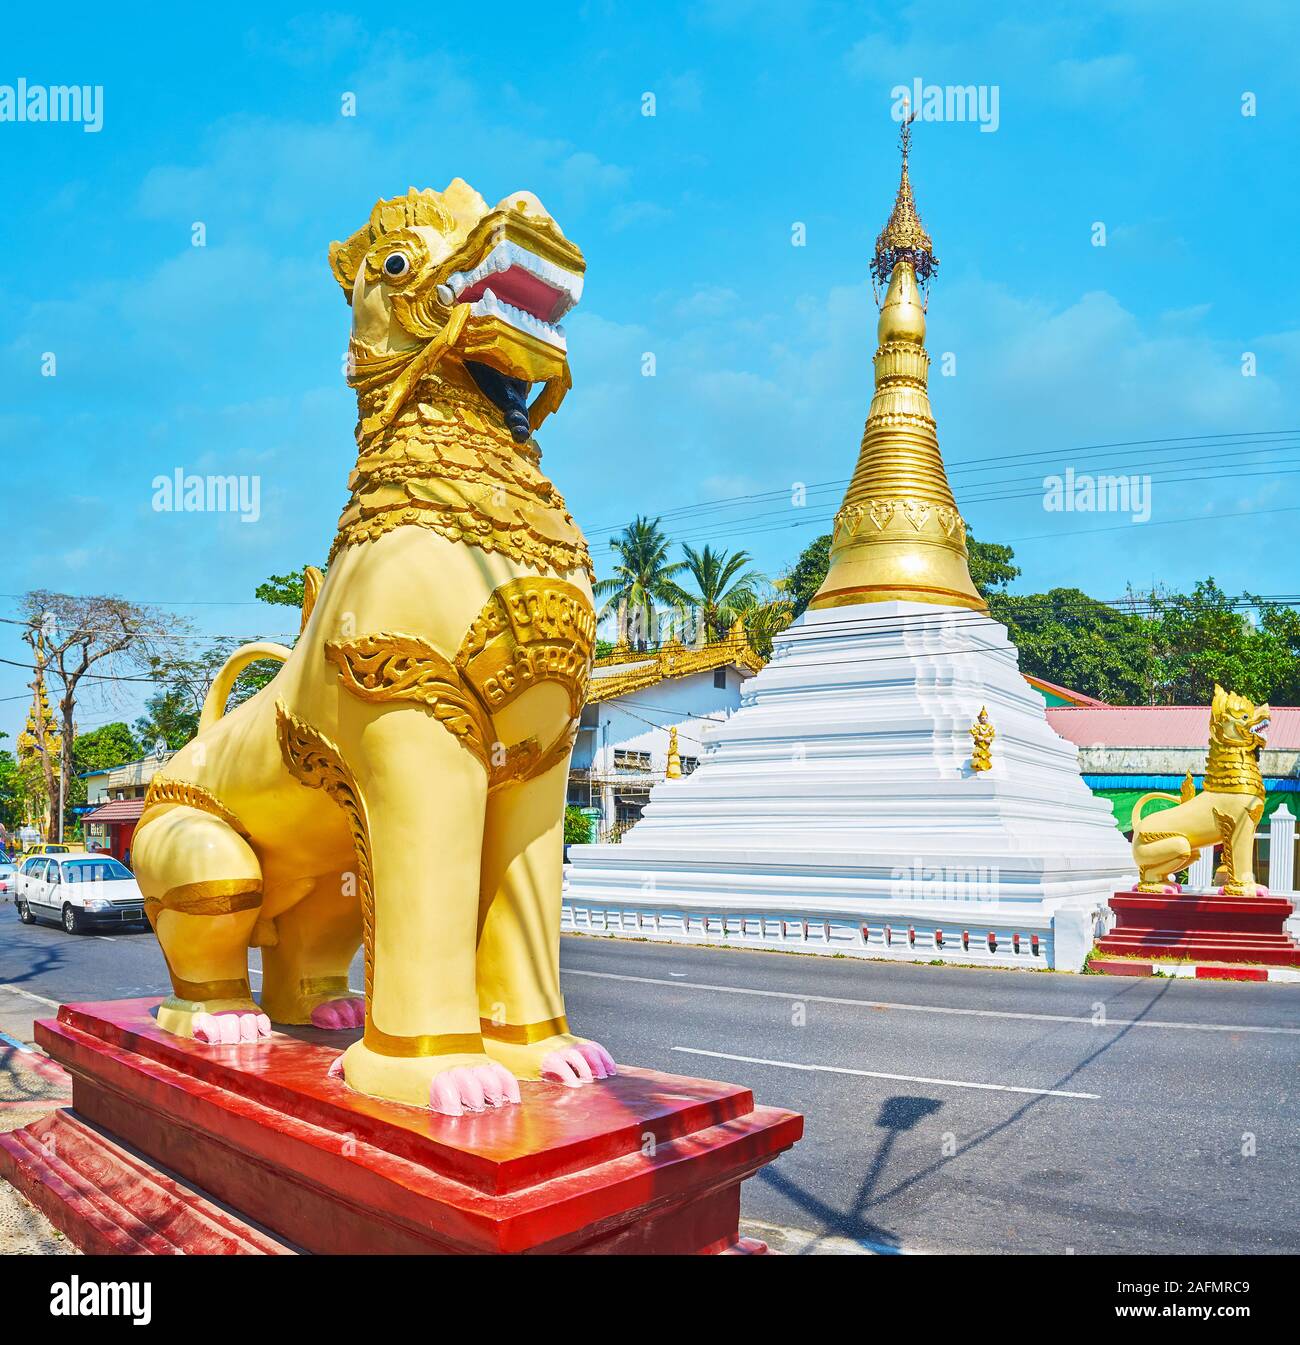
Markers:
{"x": 898, "y": 535}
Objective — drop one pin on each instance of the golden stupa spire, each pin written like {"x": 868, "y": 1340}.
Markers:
{"x": 898, "y": 535}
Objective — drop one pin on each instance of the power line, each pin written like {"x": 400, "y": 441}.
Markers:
{"x": 730, "y": 527}
{"x": 1243, "y": 438}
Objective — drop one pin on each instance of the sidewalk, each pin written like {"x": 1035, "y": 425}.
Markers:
{"x": 31, "y": 1085}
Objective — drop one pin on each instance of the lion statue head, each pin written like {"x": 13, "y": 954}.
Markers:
{"x": 1237, "y": 722}
{"x": 439, "y": 277}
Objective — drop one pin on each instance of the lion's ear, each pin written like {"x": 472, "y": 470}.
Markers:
{"x": 345, "y": 262}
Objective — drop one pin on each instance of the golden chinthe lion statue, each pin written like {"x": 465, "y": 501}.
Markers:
{"x": 1225, "y": 812}
{"x": 400, "y": 784}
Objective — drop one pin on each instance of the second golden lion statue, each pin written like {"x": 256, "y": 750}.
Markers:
{"x": 1225, "y": 812}
{"x": 400, "y": 784}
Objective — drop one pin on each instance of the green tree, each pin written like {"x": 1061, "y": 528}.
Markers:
{"x": 1245, "y": 644}
{"x": 769, "y": 614}
{"x": 284, "y": 590}
{"x": 991, "y": 567}
{"x": 172, "y": 713}
{"x": 101, "y": 748}
{"x": 108, "y": 745}
{"x": 12, "y": 789}
{"x": 75, "y": 635}
{"x": 724, "y": 587}
{"x": 643, "y": 576}
{"x": 577, "y": 826}
{"x": 807, "y": 573}
{"x": 1064, "y": 636}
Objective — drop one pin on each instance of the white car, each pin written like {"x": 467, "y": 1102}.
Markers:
{"x": 78, "y": 891}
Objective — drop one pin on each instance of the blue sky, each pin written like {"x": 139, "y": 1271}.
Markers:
{"x": 226, "y": 358}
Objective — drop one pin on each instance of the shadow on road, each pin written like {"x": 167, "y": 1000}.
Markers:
{"x": 898, "y": 1114}
{"x": 38, "y": 960}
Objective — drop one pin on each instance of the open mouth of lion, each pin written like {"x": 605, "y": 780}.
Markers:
{"x": 516, "y": 297}
{"x": 520, "y": 289}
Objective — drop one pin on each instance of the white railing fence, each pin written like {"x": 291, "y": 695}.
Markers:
{"x": 1275, "y": 857}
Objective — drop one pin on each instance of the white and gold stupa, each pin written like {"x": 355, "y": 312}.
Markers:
{"x": 858, "y": 802}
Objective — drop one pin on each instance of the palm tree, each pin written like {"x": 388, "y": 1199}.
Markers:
{"x": 725, "y": 587}
{"x": 771, "y": 613}
{"x": 643, "y": 576}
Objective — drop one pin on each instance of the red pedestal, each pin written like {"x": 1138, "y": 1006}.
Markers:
{"x": 1210, "y": 928}
{"x": 644, "y": 1162}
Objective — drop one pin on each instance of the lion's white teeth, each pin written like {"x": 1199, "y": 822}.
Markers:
{"x": 446, "y": 296}
{"x": 490, "y": 306}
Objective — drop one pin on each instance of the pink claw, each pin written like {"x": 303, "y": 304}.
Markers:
{"x": 337, "y": 1014}
{"x": 579, "y": 1063}
{"x": 509, "y": 1084}
{"x": 336, "y": 1067}
{"x": 471, "y": 1091}
{"x": 601, "y": 1062}
{"x": 567, "y": 1066}
{"x": 494, "y": 1092}
{"x": 574, "y": 1065}
{"x": 444, "y": 1096}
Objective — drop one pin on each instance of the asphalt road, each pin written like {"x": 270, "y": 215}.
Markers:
{"x": 947, "y": 1110}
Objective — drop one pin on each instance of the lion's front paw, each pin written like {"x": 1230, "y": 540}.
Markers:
{"x": 580, "y": 1063}
{"x": 565, "y": 1058}
{"x": 229, "y": 1026}
{"x": 214, "y": 1022}
{"x": 449, "y": 1084}
{"x": 337, "y": 1014}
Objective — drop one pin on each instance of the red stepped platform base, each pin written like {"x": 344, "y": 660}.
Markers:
{"x": 1202, "y": 928}
{"x": 643, "y": 1163}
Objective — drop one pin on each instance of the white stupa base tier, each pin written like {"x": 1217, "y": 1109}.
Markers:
{"x": 836, "y": 811}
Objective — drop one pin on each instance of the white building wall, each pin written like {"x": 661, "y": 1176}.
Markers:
{"x": 640, "y": 721}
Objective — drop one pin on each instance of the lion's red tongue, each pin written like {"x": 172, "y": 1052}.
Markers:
{"x": 518, "y": 288}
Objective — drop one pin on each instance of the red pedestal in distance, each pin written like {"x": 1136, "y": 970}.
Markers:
{"x": 1202, "y": 928}
{"x": 644, "y": 1162}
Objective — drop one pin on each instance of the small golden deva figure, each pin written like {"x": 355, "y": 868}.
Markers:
{"x": 674, "y": 759}
{"x": 982, "y": 734}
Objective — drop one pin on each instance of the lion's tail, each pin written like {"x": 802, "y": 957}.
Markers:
{"x": 214, "y": 703}
{"x": 1146, "y": 798}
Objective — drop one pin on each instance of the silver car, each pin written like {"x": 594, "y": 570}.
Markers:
{"x": 79, "y": 891}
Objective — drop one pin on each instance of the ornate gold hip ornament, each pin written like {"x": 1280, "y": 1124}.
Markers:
{"x": 531, "y": 630}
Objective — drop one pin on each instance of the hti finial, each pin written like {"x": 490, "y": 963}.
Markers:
{"x": 904, "y": 238}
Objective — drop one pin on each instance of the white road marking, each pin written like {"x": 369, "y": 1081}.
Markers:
{"x": 803, "y": 1242}
{"x": 930, "y": 1008}
{"x": 27, "y": 994}
{"x": 896, "y": 1078}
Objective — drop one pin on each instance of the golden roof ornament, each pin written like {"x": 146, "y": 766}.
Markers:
{"x": 904, "y": 238}
{"x": 898, "y": 536}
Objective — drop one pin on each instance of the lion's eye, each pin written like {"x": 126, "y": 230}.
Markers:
{"x": 396, "y": 264}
